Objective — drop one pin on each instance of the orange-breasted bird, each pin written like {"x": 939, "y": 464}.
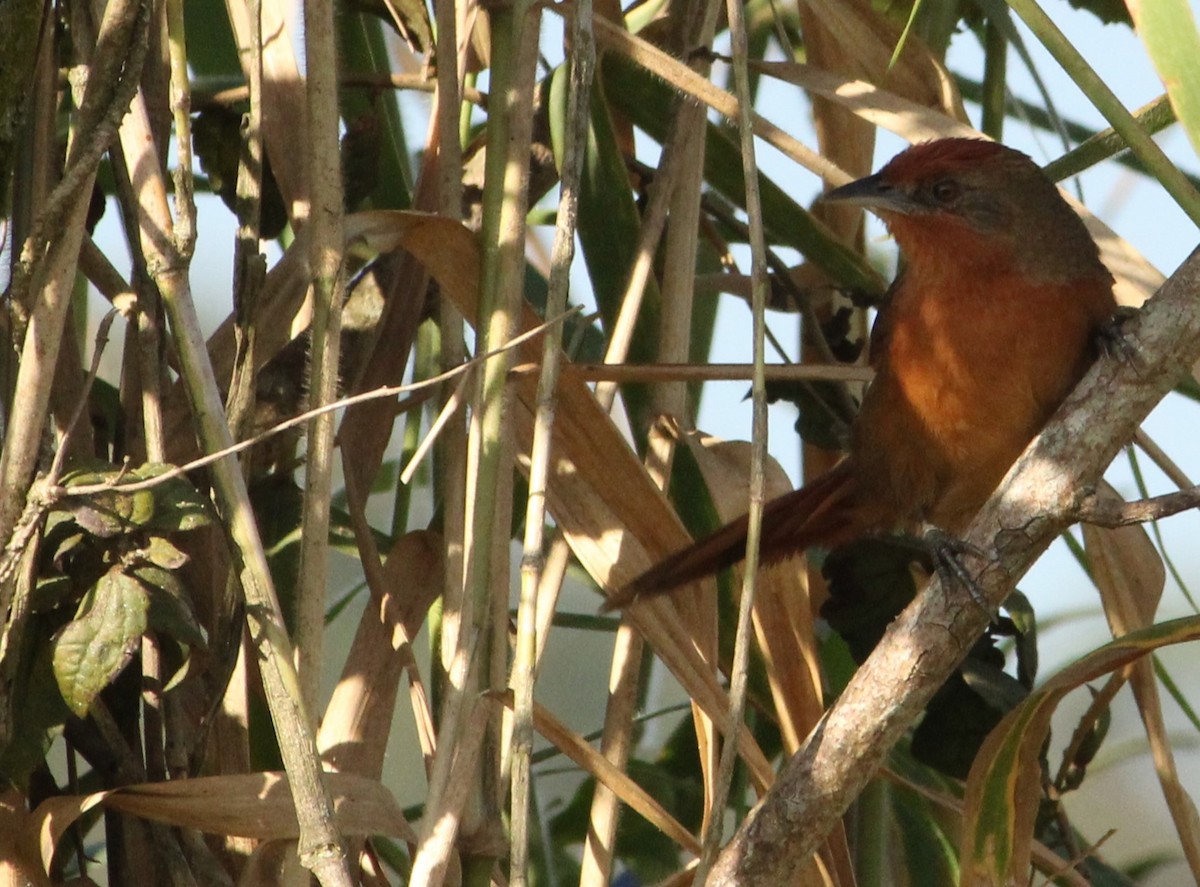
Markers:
{"x": 994, "y": 318}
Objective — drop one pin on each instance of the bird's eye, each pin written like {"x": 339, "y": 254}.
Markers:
{"x": 946, "y": 191}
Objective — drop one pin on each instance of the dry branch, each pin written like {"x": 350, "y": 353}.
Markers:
{"x": 1109, "y": 512}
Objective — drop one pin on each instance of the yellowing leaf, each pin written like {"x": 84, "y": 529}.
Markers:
{"x": 1005, "y": 782}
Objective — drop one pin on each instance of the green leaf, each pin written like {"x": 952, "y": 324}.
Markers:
{"x": 211, "y": 49}
{"x": 409, "y": 18}
{"x": 647, "y": 103}
{"x": 641, "y": 847}
{"x": 38, "y": 710}
{"x": 609, "y": 230}
{"x": 929, "y": 853}
{"x": 1108, "y": 11}
{"x": 172, "y": 506}
{"x": 90, "y": 651}
{"x": 170, "y": 611}
{"x": 1168, "y": 29}
{"x": 1024, "y": 622}
{"x": 365, "y": 50}
{"x": 162, "y": 553}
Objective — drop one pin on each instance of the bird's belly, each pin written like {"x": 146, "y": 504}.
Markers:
{"x": 958, "y": 419}
{"x": 970, "y": 450}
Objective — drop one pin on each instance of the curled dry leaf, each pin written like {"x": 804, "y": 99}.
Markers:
{"x": 1127, "y": 570}
{"x": 1131, "y": 577}
{"x": 357, "y": 722}
{"x": 252, "y": 805}
{"x": 868, "y": 41}
{"x": 285, "y": 111}
{"x": 19, "y": 863}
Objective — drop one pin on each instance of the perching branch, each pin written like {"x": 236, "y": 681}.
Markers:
{"x": 1041, "y": 495}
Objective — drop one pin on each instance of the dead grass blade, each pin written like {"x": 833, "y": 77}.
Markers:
{"x": 19, "y": 863}
{"x": 866, "y": 41}
{"x": 783, "y": 621}
{"x": 252, "y": 805}
{"x": 284, "y": 110}
{"x": 1128, "y": 571}
{"x": 578, "y": 750}
{"x": 367, "y": 428}
{"x": 616, "y": 521}
{"x": 354, "y": 731}
{"x": 854, "y": 40}
{"x": 783, "y": 617}
{"x": 1131, "y": 577}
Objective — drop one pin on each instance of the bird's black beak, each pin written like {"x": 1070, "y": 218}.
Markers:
{"x": 874, "y": 193}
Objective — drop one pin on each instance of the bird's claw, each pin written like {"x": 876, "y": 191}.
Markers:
{"x": 1112, "y": 339}
{"x": 947, "y": 552}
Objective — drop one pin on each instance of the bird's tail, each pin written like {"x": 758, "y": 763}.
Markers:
{"x": 822, "y": 512}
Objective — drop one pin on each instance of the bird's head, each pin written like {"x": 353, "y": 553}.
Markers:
{"x": 976, "y": 202}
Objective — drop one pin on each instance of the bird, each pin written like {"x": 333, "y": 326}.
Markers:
{"x": 1001, "y": 305}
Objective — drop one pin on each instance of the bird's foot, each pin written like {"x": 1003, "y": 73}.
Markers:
{"x": 1112, "y": 340}
{"x": 947, "y": 553}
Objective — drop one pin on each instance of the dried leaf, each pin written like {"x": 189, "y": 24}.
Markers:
{"x": 357, "y": 722}
{"x": 1127, "y": 569}
{"x": 1131, "y": 577}
{"x": 783, "y": 618}
{"x": 252, "y": 805}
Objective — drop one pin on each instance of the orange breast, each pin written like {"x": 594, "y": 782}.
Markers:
{"x": 970, "y": 374}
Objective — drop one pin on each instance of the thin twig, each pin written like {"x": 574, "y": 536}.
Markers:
{"x": 1103, "y": 511}
{"x": 60, "y": 457}
{"x": 112, "y": 81}
{"x": 121, "y": 37}
{"x": 675, "y": 187}
{"x": 390, "y": 391}
{"x": 249, "y": 264}
{"x": 363, "y": 80}
{"x": 181, "y": 112}
{"x": 524, "y": 669}
{"x": 710, "y": 372}
{"x": 319, "y": 843}
{"x": 490, "y": 449}
{"x": 328, "y": 288}
{"x": 450, "y": 480}
{"x": 449, "y": 409}
{"x": 739, "y": 670}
